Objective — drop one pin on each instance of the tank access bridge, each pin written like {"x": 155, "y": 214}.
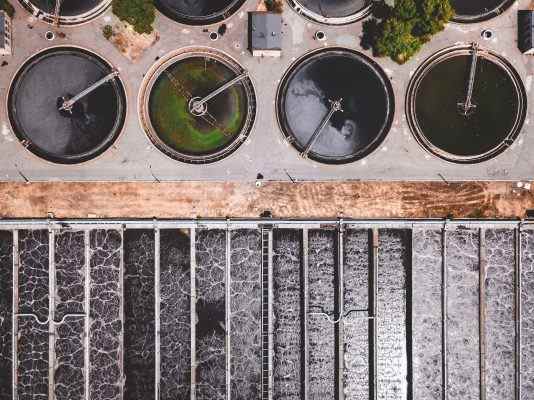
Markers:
{"x": 266, "y": 309}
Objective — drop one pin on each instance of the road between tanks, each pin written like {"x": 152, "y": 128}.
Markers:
{"x": 284, "y": 199}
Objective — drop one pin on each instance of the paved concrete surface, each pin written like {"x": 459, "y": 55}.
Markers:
{"x": 133, "y": 157}
{"x": 245, "y": 200}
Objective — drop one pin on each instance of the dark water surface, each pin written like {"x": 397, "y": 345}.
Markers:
{"x": 334, "y": 8}
{"x": 210, "y": 313}
{"x": 6, "y": 312}
{"x": 96, "y": 119}
{"x": 139, "y": 315}
{"x": 472, "y": 8}
{"x": 175, "y": 318}
{"x": 198, "y": 12}
{"x": 460, "y": 283}
{"x": 69, "y": 8}
{"x": 330, "y": 75}
{"x": 437, "y": 111}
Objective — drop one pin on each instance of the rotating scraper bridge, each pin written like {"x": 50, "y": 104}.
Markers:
{"x": 266, "y": 309}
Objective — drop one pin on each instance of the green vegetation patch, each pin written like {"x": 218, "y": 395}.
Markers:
{"x": 399, "y": 32}
{"x": 276, "y": 6}
{"x": 107, "y": 31}
{"x": 189, "y": 134}
{"x": 138, "y": 13}
{"x": 7, "y": 7}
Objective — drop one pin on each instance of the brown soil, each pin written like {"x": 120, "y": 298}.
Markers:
{"x": 285, "y": 200}
{"x": 130, "y": 43}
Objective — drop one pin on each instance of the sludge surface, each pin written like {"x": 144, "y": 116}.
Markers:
{"x": 119, "y": 279}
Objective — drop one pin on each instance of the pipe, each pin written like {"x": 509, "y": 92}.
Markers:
{"x": 214, "y": 223}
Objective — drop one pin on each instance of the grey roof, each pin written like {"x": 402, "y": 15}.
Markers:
{"x": 2, "y": 30}
{"x": 265, "y": 31}
{"x": 525, "y": 30}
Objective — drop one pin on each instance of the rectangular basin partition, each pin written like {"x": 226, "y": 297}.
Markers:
{"x": 349, "y": 310}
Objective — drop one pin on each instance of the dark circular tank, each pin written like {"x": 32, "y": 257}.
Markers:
{"x": 72, "y": 135}
{"x": 335, "y": 105}
{"x": 478, "y": 10}
{"x": 180, "y": 124}
{"x": 71, "y": 12}
{"x": 198, "y": 12}
{"x": 458, "y": 126}
{"x": 332, "y": 12}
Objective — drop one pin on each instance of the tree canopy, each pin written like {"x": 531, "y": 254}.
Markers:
{"x": 7, "y": 7}
{"x": 400, "y": 31}
{"x": 138, "y": 13}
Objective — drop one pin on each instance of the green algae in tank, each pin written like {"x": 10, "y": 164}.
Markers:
{"x": 169, "y": 109}
{"x": 487, "y": 127}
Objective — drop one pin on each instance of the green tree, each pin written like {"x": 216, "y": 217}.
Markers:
{"x": 276, "y": 6}
{"x": 405, "y": 9}
{"x": 107, "y": 31}
{"x": 7, "y": 7}
{"x": 138, "y": 13}
{"x": 433, "y": 17}
{"x": 399, "y": 32}
{"x": 397, "y": 41}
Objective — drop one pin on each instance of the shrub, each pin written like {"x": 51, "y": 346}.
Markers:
{"x": 397, "y": 41}
{"x": 399, "y": 32}
{"x": 276, "y": 6}
{"x": 107, "y": 31}
{"x": 7, "y": 7}
{"x": 138, "y": 13}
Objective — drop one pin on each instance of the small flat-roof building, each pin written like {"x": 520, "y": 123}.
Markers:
{"x": 525, "y": 31}
{"x": 5, "y": 33}
{"x": 265, "y": 34}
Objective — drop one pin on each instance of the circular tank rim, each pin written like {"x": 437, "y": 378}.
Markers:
{"x": 304, "y": 12}
{"x": 373, "y": 146}
{"x": 210, "y": 20}
{"x": 143, "y": 98}
{"x": 68, "y": 21}
{"x": 495, "y": 12}
{"x": 105, "y": 148}
{"x": 421, "y": 72}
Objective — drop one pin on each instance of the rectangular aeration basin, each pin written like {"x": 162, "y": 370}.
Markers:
{"x": 266, "y": 309}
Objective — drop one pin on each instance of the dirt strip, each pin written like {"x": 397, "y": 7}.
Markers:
{"x": 284, "y": 200}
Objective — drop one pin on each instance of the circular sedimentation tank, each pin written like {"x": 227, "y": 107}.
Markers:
{"x": 197, "y": 106}
{"x": 468, "y": 11}
{"x": 466, "y": 104}
{"x": 58, "y": 131}
{"x": 66, "y": 12}
{"x": 332, "y": 12}
{"x": 335, "y": 105}
{"x": 198, "y": 12}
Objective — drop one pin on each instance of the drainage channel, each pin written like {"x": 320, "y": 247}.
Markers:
{"x": 239, "y": 310}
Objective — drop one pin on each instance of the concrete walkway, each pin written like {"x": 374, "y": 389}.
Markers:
{"x": 134, "y": 158}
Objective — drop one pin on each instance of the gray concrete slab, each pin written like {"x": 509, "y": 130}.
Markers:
{"x": 133, "y": 157}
